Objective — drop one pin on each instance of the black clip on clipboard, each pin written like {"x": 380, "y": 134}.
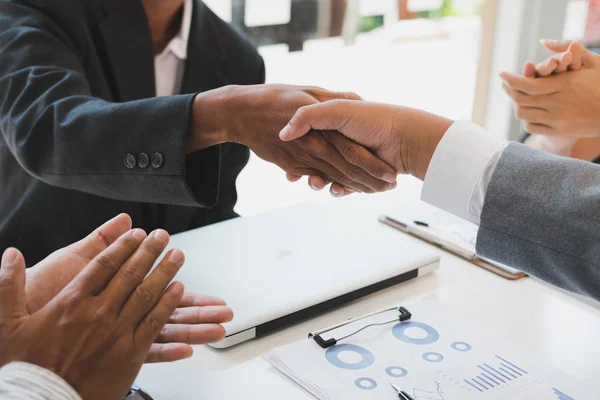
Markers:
{"x": 403, "y": 315}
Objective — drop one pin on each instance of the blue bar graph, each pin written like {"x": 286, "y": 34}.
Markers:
{"x": 506, "y": 371}
{"x": 470, "y": 384}
{"x": 512, "y": 369}
{"x": 495, "y": 374}
{"x": 511, "y": 364}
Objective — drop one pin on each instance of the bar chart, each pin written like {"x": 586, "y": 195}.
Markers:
{"x": 495, "y": 374}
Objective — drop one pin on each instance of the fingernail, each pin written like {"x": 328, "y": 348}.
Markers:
{"x": 549, "y": 41}
{"x": 9, "y": 256}
{"x": 336, "y": 192}
{"x": 393, "y": 185}
{"x": 389, "y": 178}
{"x": 139, "y": 234}
{"x": 313, "y": 187}
{"x": 285, "y": 132}
{"x": 162, "y": 236}
{"x": 503, "y": 75}
{"x": 176, "y": 257}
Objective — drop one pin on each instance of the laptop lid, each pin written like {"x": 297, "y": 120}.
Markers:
{"x": 277, "y": 268}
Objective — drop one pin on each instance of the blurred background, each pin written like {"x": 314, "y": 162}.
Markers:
{"x": 442, "y": 56}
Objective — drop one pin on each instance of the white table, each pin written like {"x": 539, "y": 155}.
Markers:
{"x": 563, "y": 330}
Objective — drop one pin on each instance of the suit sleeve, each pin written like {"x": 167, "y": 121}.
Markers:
{"x": 541, "y": 214}
{"x": 64, "y": 136}
{"x": 21, "y": 381}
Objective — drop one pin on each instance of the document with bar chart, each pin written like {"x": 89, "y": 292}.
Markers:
{"x": 431, "y": 357}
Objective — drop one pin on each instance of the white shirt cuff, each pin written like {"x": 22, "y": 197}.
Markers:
{"x": 23, "y": 381}
{"x": 461, "y": 169}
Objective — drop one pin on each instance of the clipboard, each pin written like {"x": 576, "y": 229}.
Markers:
{"x": 455, "y": 249}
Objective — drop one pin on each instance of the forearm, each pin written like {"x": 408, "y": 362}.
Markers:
{"x": 537, "y": 212}
{"x": 547, "y": 208}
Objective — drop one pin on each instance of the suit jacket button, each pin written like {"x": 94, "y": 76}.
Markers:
{"x": 157, "y": 160}
{"x": 130, "y": 161}
{"x": 143, "y": 160}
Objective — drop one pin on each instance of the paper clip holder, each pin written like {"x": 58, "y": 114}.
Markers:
{"x": 403, "y": 315}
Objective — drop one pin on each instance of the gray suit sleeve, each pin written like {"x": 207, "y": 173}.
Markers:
{"x": 542, "y": 215}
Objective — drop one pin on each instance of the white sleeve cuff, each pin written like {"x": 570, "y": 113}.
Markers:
{"x": 461, "y": 169}
{"x": 23, "y": 381}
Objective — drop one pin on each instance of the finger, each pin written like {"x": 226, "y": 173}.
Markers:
{"x": 326, "y": 95}
{"x": 564, "y": 60}
{"x": 357, "y": 155}
{"x": 534, "y": 115}
{"x": 522, "y": 99}
{"x": 191, "y": 334}
{"x": 354, "y": 176}
{"x": 328, "y": 116}
{"x": 557, "y": 46}
{"x": 146, "y": 295}
{"x": 154, "y": 322}
{"x": 12, "y": 285}
{"x": 169, "y": 352}
{"x": 530, "y": 70}
{"x": 102, "y": 269}
{"x": 200, "y": 300}
{"x": 101, "y": 238}
{"x": 333, "y": 174}
{"x": 202, "y": 315}
{"x": 529, "y": 85}
{"x": 317, "y": 183}
{"x": 339, "y": 191}
{"x": 579, "y": 53}
{"x": 539, "y": 129}
{"x": 292, "y": 177}
{"x": 135, "y": 269}
{"x": 547, "y": 68}
{"x": 334, "y": 167}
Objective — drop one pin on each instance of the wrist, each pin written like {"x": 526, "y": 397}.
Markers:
{"x": 421, "y": 133}
{"x": 210, "y": 121}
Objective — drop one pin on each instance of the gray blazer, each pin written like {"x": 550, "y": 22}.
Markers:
{"x": 542, "y": 215}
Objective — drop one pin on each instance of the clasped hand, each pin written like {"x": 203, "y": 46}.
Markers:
{"x": 254, "y": 116}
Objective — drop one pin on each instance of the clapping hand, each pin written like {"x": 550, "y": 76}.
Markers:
{"x": 97, "y": 331}
{"x": 197, "y": 320}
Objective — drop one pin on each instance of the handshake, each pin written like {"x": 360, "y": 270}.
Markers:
{"x": 333, "y": 137}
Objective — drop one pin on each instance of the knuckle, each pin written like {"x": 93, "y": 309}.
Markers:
{"x": 352, "y": 96}
{"x": 154, "y": 247}
{"x": 302, "y": 114}
{"x": 103, "y": 317}
{"x": 343, "y": 180}
{"x": 107, "y": 262}
{"x": 129, "y": 274}
{"x": 351, "y": 153}
{"x": 144, "y": 295}
{"x": 154, "y": 325}
{"x": 354, "y": 173}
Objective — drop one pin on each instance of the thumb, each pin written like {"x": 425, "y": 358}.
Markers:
{"x": 582, "y": 57}
{"x": 328, "y": 116}
{"x": 557, "y": 46}
{"x": 530, "y": 70}
{"x": 12, "y": 285}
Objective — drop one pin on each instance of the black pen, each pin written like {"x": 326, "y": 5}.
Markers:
{"x": 402, "y": 395}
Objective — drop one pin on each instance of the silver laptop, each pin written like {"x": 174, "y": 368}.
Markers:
{"x": 278, "y": 268}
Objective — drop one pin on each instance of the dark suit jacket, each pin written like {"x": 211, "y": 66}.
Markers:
{"x": 77, "y": 94}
